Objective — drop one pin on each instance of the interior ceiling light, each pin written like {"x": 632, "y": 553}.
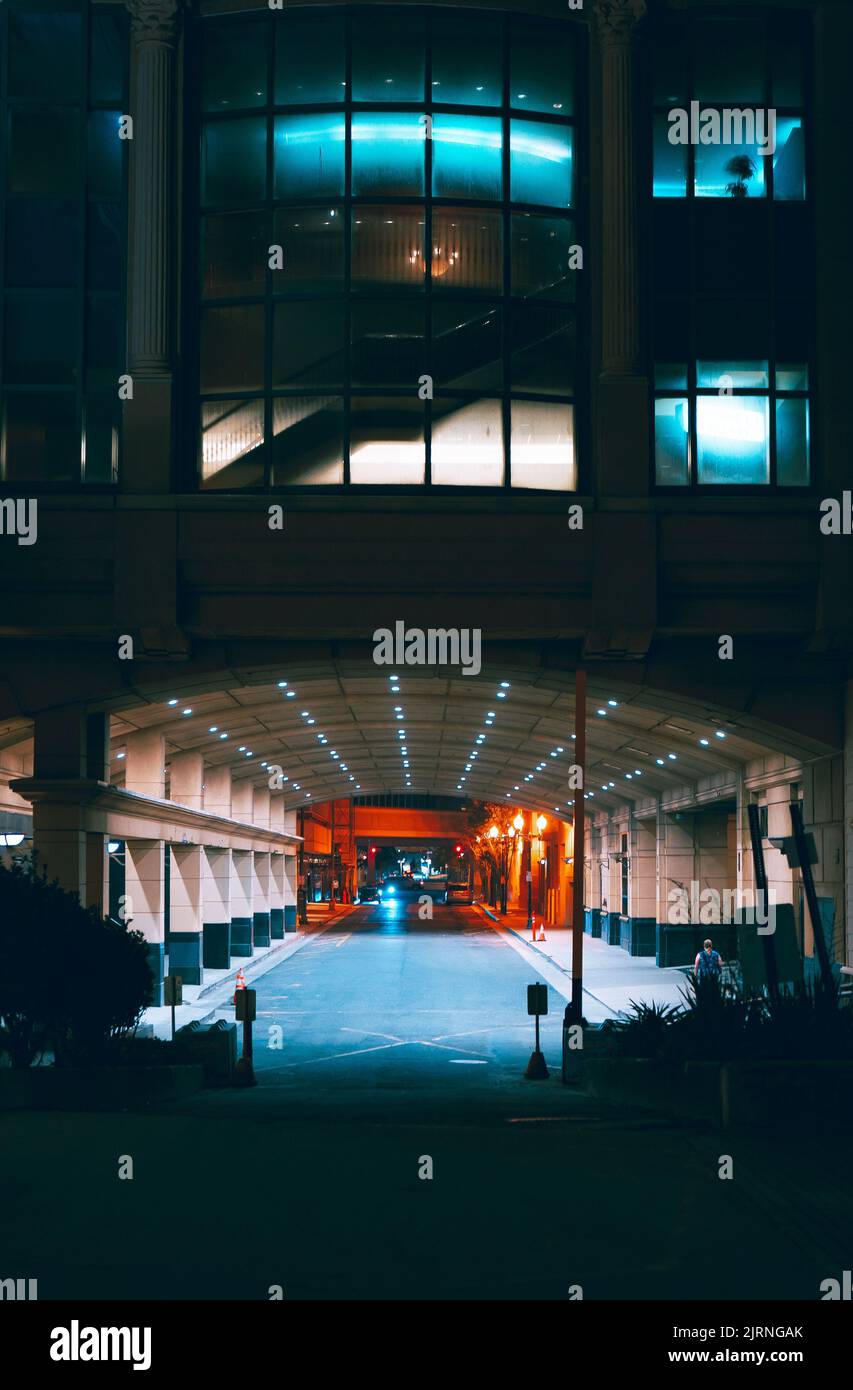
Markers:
{"x": 291, "y": 694}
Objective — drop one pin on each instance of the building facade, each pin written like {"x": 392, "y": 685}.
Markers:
{"x": 529, "y": 321}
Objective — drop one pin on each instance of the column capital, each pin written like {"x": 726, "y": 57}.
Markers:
{"x": 156, "y": 20}
{"x": 617, "y": 19}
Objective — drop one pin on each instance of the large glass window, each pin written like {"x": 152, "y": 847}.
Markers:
{"x": 728, "y": 121}
{"x": 735, "y": 423}
{"x": 61, "y": 258}
{"x": 388, "y": 289}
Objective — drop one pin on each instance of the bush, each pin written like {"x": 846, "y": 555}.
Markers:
{"x": 722, "y": 1024}
{"x": 70, "y": 981}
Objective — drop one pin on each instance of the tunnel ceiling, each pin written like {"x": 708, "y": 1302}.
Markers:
{"x": 340, "y": 730}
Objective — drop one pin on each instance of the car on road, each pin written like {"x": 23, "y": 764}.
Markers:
{"x": 403, "y": 886}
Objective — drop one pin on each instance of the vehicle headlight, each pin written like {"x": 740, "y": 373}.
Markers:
{"x": 391, "y": 891}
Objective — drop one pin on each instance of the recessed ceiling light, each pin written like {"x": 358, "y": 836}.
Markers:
{"x": 671, "y": 757}
{"x": 291, "y": 694}
{"x": 213, "y": 728}
{"x": 613, "y": 703}
{"x": 601, "y": 711}
{"x": 171, "y": 702}
{"x": 659, "y": 762}
{"x": 704, "y": 742}
{"x": 242, "y": 748}
{"x": 223, "y": 735}
{"x": 719, "y": 733}
{"x": 282, "y": 685}
{"x": 119, "y": 755}
{"x": 186, "y": 711}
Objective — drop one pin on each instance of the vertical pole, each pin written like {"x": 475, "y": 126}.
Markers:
{"x": 574, "y": 1013}
{"x": 811, "y": 895}
{"x": 529, "y": 876}
{"x": 173, "y": 1018}
{"x": 761, "y": 885}
{"x": 332, "y": 879}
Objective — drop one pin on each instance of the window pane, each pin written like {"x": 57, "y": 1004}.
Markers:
{"x": 387, "y": 57}
{"x": 108, "y": 29}
{"x": 466, "y": 157}
{"x": 387, "y": 439}
{"x": 466, "y": 345}
{"x": 792, "y": 443}
{"x": 104, "y": 251}
{"x": 234, "y": 161}
{"x": 235, "y": 254}
{"x": 388, "y": 246}
{"x": 789, "y": 166}
{"x": 312, "y": 242}
{"x": 671, "y": 443}
{"x": 467, "y": 443}
{"x": 724, "y": 376}
{"x": 730, "y": 170}
{"x": 466, "y": 251}
{"x": 232, "y": 348}
{"x": 308, "y": 440}
{"x": 671, "y": 376}
{"x": 100, "y": 447}
{"x": 45, "y": 56}
{"x": 792, "y": 376}
{"x": 541, "y": 67}
{"x": 234, "y": 66}
{"x": 309, "y": 343}
{"x": 309, "y": 58}
{"x": 466, "y": 59}
{"x": 105, "y": 155}
{"x": 543, "y": 349}
{"x": 388, "y": 154}
{"x": 232, "y": 438}
{"x": 309, "y": 156}
{"x": 541, "y": 257}
{"x": 44, "y": 151}
{"x": 103, "y": 342}
{"x": 786, "y": 65}
{"x": 41, "y": 243}
{"x": 732, "y": 439}
{"x": 728, "y": 59}
{"x": 41, "y": 339}
{"x": 540, "y": 163}
{"x": 387, "y": 342}
{"x": 669, "y": 61}
{"x": 542, "y": 450}
{"x": 42, "y": 438}
{"x": 670, "y": 161}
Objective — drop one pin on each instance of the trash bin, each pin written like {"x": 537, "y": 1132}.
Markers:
{"x": 214, "y": 1045}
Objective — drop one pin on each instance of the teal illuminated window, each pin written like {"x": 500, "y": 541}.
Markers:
{"x": 62, "y": 192}
{"x": 743, "y": 424}
{"x": 388, "y": 196}
{"x": 735, "y": 130}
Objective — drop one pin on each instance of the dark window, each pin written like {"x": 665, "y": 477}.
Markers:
{"x": 62, "y": 252}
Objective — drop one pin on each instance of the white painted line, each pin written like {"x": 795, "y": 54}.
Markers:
{"x": 343, "y": 941}
{"x": 466, "y": 1062}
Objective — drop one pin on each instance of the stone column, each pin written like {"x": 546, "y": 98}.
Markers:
{"x": 217, "y": 790}
{"x": 186, "y": 775}
{"x": 144, "y": 902}
{"x": 69, "y": 746}
{"x": 622, "y": 425}
{"x": 155, "y": 33}
{"x": 185, "y": 913}
{"x": 261, "y": 807}
{"x": 260, "y": 899}
{"x": 242, "y": 801}
{"x": 145, "y": 764}
{"x": 276, "y": 896}
{"x": 291, "y": 873}
{"x": 216, "y": 908}
{"x": 241, "y": 902}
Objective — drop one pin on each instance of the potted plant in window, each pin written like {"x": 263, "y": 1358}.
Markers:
{"x": 743, "y": 167}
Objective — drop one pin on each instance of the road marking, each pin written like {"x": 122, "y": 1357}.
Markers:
{"x": 466, "y": 1062}
{"x": 343, "y": 941}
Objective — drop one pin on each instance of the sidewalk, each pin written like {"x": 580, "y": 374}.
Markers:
{"x": 611, "y": 978}
{"x": 202, "y": 1001}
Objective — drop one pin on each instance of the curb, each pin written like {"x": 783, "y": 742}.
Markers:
{"x": 555, "y": 964}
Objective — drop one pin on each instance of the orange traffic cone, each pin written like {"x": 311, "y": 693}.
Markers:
{"x": 240, "y": 984}
{"x": 538, "y": 932}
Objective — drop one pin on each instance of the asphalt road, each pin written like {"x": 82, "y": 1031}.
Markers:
{"x": 404, "y": 1041}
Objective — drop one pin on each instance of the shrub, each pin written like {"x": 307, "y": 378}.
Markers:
{"x": 70, "y": 981}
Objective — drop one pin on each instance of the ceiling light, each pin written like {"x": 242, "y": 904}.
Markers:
{"x": 120, "y": 755}
{"x": 282, "y": 685}
{"x": 223, "y": 735}
{"x": 704, "y": 742}
{"x": 671, "y": 757}
{"x": 305, "y": 713}
{"x": 186, "y": 711}
{"x": 719, "y": 733}
{"x": 659, "y": 762}
{"x": 613, "y": 703}
{"x": 171, "y": 702}
{"x": 291, "y": 694}
{"x": 601, "y": 711}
